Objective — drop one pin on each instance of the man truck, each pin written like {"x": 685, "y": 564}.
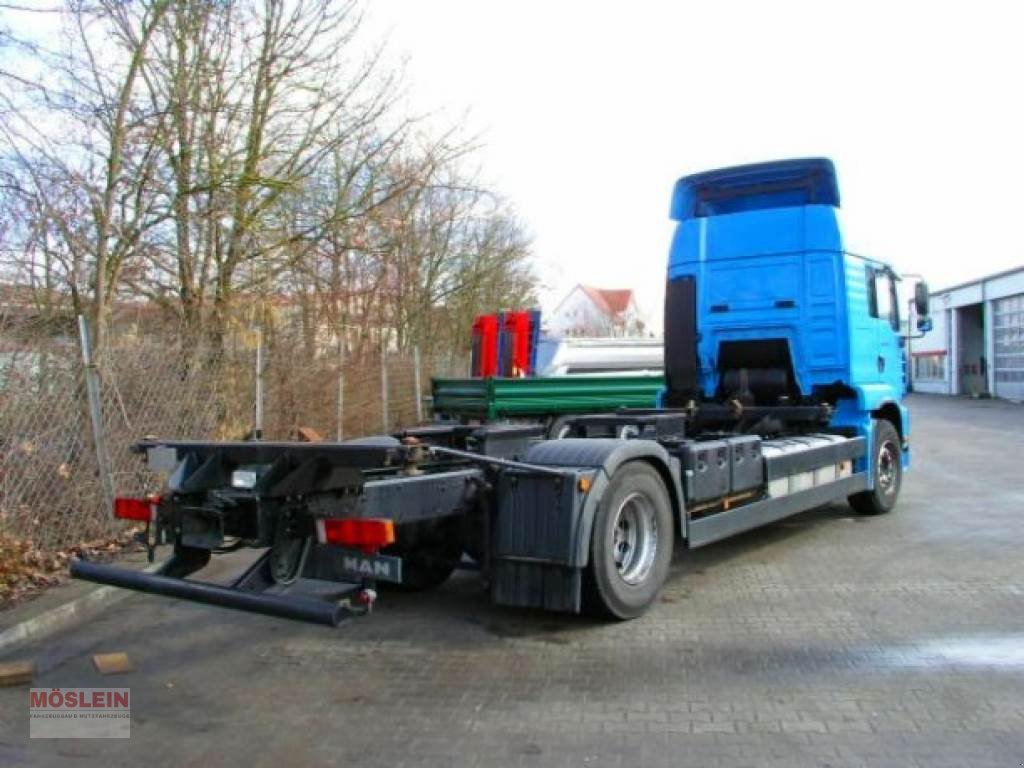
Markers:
{"x": 784, "y": 376}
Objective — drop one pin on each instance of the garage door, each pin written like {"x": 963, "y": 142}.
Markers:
{"x": 1008, "y": 334}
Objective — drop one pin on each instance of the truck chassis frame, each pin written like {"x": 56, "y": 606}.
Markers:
{"x": 522, "y": 508}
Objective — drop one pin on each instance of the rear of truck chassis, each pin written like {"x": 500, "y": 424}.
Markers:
{"x": 584, "y": 523}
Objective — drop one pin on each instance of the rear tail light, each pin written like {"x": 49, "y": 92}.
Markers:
{"x": 143, "y": 510}
{"x": 368, "y": 535}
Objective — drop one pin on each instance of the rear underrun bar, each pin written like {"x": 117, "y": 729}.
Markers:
{"x": 314, "y": 610}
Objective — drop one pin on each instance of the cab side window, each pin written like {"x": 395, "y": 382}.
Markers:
{"x": 882, "y": 301}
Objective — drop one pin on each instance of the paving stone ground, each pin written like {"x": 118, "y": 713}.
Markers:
{"x": 824, "y": 640}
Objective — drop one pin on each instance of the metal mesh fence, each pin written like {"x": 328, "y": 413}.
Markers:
{"x": 48, "y": 466}
{"x": 52, "y": 484}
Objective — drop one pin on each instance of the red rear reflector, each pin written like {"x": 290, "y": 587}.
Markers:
{"x": 136, "y": 509}
{"x": 367, "y": 535}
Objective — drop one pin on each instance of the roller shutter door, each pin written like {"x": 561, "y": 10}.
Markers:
{"x": 1008, "y": 335}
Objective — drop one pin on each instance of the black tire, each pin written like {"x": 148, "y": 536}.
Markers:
{"x": 288, "y": 557}
{"x": 424, "y": 569}
{"x": 622, "y": 579}
{"x": 887, "y": 472}
{"x": 429, "y": 555}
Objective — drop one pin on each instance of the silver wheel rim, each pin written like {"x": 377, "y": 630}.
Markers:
{"x": 888, "y": 468}
{"x": 634, "y": 538}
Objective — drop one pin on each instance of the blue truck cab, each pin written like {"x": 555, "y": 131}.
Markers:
{"x": 783, "y": 311}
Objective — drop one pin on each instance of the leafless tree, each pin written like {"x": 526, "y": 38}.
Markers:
{"x": 84, "y": 157}
{"x": 216, "y": 156}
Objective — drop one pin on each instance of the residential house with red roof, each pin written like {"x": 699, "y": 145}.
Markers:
{"x": 590, "y": 311}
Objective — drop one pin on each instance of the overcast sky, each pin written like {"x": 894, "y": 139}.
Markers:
{"x": 589, "y": 111}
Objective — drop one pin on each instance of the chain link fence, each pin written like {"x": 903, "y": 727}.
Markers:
{"x": 58, "y": 470}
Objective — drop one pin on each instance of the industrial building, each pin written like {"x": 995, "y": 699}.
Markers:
{"x": 976, "y": 346}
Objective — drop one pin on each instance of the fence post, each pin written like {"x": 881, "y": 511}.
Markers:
{"x": 258, "y": 426}
{"x": 92, "y": 388}
{"x": 384, "y": 384}
{"x": 416, "y": 383}
{"x": 340, "y": 435}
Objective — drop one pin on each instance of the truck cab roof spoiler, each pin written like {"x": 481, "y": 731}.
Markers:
{"x": 776, "y": 184}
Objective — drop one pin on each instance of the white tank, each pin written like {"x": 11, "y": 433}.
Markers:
{"x": 802, "y": 481}
{"x": 598, "y": 356}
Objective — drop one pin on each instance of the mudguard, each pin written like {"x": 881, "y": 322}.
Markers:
{"x": 545, "y": 519}
{"x": 604, "y": 456}
{"x": 858, "y": 413}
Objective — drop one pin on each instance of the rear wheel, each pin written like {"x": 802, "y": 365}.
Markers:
{"x": 288, "y": 553}
{"x": 631, "y": 544}
{"x": 426, "y": 568}
{"x": 287, "y": 558}
{"x": 886, "y": 471}
{"x": 429, "y": 552}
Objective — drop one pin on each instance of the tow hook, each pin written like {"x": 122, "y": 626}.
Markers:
{"x": 365, "y": 598}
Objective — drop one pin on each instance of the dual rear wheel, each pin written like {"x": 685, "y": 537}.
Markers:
{"x": 631, "y": 544}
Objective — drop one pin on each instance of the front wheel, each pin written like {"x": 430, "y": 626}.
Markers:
{"x": 631, "y": 544}
{"x": 886, "y": 472}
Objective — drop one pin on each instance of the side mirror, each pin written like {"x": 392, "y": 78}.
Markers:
{"x": 921, "y": 299}
{"x": 924, "y": 324}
